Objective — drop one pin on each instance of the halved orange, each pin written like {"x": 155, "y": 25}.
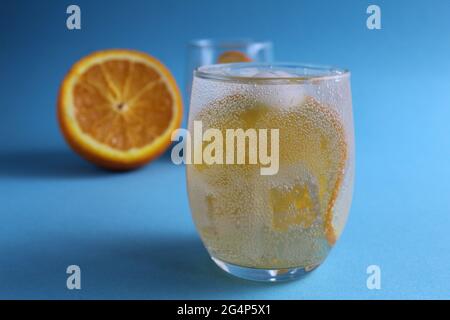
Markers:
{"x": 118, "y": 108}
{"x": 233, "y": 56}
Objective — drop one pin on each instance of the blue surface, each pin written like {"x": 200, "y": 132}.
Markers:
{"x": 132, "y": 233}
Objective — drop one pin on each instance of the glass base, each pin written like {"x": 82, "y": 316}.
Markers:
{"x": 264, "y": 275}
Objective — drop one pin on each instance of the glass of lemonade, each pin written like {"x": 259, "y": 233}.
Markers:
{"x": 269, "y": 204}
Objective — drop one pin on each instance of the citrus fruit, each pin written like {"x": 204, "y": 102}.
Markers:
{"x": 233, "y": 56}
{"x": 118, "y": 108}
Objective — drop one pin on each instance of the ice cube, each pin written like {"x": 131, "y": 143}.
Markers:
{"x": 281, "y": 94}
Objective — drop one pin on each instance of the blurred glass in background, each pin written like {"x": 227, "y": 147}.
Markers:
{"x": 212, "y": 51}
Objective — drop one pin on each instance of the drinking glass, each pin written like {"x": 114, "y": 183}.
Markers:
{"x": 212, "y": 51}
{"x": 282, "y": 224}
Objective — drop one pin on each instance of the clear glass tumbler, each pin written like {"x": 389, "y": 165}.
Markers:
{"x": 212, "y": 51}
{"x": 280, "y": 223}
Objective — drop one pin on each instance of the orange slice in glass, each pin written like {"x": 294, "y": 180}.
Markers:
{"x": 118, "y": 108}
{"x": 233, "y": 56}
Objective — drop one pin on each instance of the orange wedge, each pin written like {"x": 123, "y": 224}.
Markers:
{"x": 118, "y": 108}
{"x": 233, "y": 56}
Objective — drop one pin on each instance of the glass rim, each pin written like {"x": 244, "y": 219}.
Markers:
{"x": 315, "y": 72}
{"x": 227, "y": 43}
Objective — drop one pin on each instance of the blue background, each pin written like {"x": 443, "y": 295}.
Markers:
{"x": 132, "y": 234}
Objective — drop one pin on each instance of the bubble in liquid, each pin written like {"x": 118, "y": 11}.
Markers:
{"x": 271, "y": 221}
